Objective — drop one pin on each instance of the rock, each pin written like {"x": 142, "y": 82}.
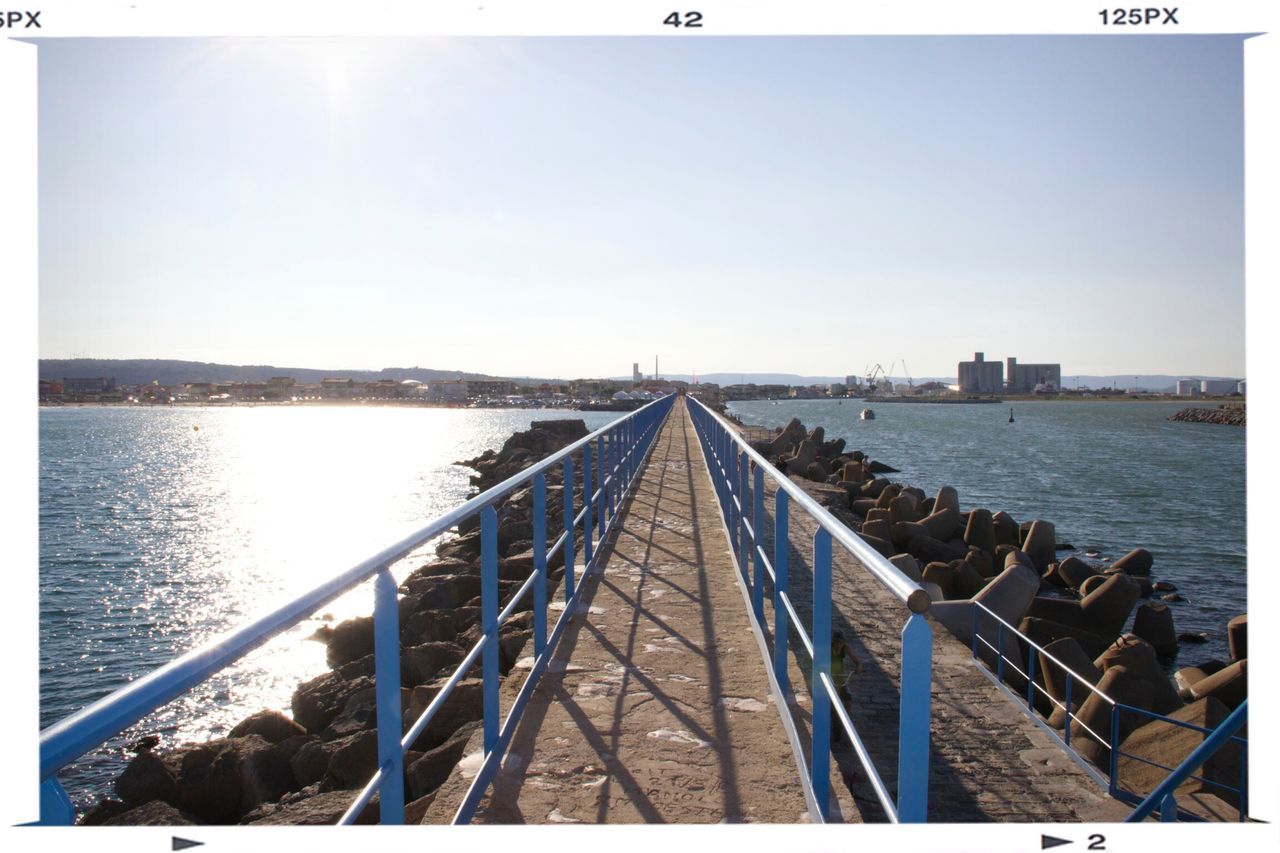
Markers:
{"x": 947, "y": 499}
{"x": 887, "y": 495}
{"x": 880, "y": 468}
{"x": 1074, "y": 571}
{"x": 154, "y": 813}
{"x": 1193, "y": 638}
{"x": 1006, "y": 529}
{"x": 358, "y": 714}
{"x": 209, "y": 780}
{"x": 883, "y": 546}
{"x": 105, "y": 810}
{"x": 318, "y": 701}
{"x": 928, "y": 550}
{"x": 940, "y": 574}
{"x": 1039, "y": 544}
{"x": 805, "y": 454}
{"x": 1228, "y": 685}
{"x": 463, "y": 706}
{"x": 353, "y": 760}
{"x": 1043, "y": 632}
{"x": 877, "y": 528}
{"x": 980, "y": 531}
{"x": 351, "y": 640}
{"x": 310, "y": 762}
{"x": 271, "y": 726}
{"x": 421, "y": 663}
{"x": 791, "y": 436}
{"x": 1069, "y": 654}
{"x": 908, "y": 565}
{"x": 1164, "y": 586}
{"x": 1139, "y": 658}
{"x": 982, "y": 563}
{"x": 854, "y": 472}
{"x": 817, "y": 471}
{"x": 1154, "y": 623}
{"x": 266, "y": 774}
{"x": 1238, "y": 637}
{"x": 942, "y": 524}
{"x": 430, "y": 771}
{"x": 1188, "y": 676}
{"x": 144, "y": 779}
{"x": 1174, "y": 598}
{"x": 903, "y": 508}
{"x": 1136, "y": 562}
{"x": 966, "y": 582}
{"x": 1095, "y": 713}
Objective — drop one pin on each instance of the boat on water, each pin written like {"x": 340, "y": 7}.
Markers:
{"x": 868, "y": 415}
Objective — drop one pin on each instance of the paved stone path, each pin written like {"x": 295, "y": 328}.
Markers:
{"x": 656, "y": 707}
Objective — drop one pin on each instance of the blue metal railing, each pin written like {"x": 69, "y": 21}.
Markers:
{"x": 1006, "y": 667}
{"x": 626, "y": 441}
{"x": 738, "y": 473}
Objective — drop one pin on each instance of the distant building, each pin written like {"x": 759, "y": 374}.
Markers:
{"x": 636, "y": 376}
{"x": 835, "y": 389}
{"x": 95, "y": 387}
{"x": 446, "y": 391}
{"x": 1218, "y": 387}
{"x": 1026, "y": 378}
{"x": 980, "y": 376}
{"x": 1187, "y": 387}
{"x": 490, "y": 387}
{"x": 1240, "y": 388}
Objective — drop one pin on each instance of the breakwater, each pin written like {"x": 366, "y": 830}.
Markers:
{"x": 306, "y": 767}
{"x": 1110, "y": 622}
{"x": 1227, "y": 415}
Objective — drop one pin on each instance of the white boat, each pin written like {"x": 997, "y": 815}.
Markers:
{"x": 868, "y": 415}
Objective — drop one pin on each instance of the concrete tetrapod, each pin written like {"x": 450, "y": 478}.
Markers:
{"x": 1008, "y": 596}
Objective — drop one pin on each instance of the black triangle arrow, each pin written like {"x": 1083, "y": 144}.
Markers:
{"x": 1047, "y": 841}
{"x": 184, "y": 843}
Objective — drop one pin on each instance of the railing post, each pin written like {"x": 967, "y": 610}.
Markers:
{"x": 1000, "y": 651}
{"x": 615, "y": 471}
{"x": 744, "y": 478}
{"x": 757, "y": 524}
{"x": 489, "y": 622}
{"x": 539, "y": 565}
{"x": 386, "y": 663}
{"x": 781, "y": 623}
{"x": 913, "y": 720}
{"x": 1031, "y": 677}
{"x": 55, "y": 806}
{"x": 1066, "y": 700}
{"x": 600, "y": 502}
{"x": 820, "y": 747}
{"x": 588, "y": 529}
{"x": 570, "y": 528}
{"x": 1168, "y": 809}
{"x": 1114, "y": 764}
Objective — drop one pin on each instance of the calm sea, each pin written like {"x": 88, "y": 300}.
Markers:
{"x": 1111, "y": 476}
{"x": 160, "y": 528}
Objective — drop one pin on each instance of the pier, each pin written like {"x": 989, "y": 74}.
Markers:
{"x": 679, "y": 668}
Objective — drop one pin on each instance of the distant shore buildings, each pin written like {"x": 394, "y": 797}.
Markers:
{"x": 989, "y": 377}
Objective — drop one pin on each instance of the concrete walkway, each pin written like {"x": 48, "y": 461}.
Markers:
{"x": 656, "y": 707}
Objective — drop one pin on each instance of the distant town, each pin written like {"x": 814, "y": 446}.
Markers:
{"x": 978, "y": 380}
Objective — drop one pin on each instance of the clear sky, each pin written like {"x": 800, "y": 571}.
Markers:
{"x": 566, "y": 206}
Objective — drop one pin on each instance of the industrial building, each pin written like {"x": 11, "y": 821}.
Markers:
{"x": 980, "y": 376}
{"x": 1027, "y": 378}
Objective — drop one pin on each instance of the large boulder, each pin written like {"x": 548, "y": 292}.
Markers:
{"x": 1154, "y": 623}
{"x": 146, "y": 778}
{"x": 353, "y": 760}
{"x": 463, "y": 706}
{"x": 271, "y": 726}
{"x": 1136, "y": 562}
{"x": 433, "y": 767}
{"x": 209, "y": 778}
{"x": 318, "y": 701}
{"x": 349, "y": 641}
{"x": 1139, "y": 658}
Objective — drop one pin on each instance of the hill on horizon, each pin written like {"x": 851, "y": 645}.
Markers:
{"x": 143, "y": 371}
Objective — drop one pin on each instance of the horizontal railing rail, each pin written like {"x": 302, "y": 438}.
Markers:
{"x": 619, "y": 448}
{"x": 738, "y": 472}
{"x": 1007, "y": 667}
